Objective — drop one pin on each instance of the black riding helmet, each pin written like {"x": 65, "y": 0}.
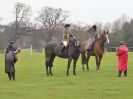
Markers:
{"x": 94, "y": 27}
{"x": 67, "y": 25}
{"x": 11, "y": 42}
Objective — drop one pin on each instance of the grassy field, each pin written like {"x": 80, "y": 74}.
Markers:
{"x": 32, "y": 83}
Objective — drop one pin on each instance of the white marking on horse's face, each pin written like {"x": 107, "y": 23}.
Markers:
{"x": 77, "y": 43}
{"x": 107, "y": 37}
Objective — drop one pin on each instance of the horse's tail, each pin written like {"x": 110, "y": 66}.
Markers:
{"x": 83, "y": 58}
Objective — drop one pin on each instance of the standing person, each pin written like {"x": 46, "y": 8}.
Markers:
{"x": 92, "y": 37}
{"x": 66, "y": 34}
{"x": 10, "y": 60}
{"x": 122, "y": 53}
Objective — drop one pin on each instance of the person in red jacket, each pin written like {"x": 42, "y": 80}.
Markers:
{"x": 122, "y": 53}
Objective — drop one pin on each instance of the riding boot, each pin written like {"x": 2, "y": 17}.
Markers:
{"x": 9, "y": 75}
{"x": 125, "y": 73}
{"x": 119, "y": 74}
{"x": 88, "y": 50}
{"x": 61, "y": 50}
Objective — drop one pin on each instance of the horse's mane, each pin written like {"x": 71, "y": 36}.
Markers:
{"x": 101, "y": 40}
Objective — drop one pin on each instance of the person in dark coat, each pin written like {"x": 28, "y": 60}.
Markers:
{"x": 10, "y": 60}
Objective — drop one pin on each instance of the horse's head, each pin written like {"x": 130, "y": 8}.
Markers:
{"x": 75, "y": 43}
{"x": 105, "y": 36}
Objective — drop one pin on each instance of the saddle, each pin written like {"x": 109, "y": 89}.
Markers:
{"x": 91, "y": 50}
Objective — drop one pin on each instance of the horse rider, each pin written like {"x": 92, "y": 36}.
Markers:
{"x": 93, "y": 36}
{"x": 66, "y": 34}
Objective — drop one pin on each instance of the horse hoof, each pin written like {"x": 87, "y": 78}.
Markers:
{"x": 74, "y": 74}
{"x": 67, "y": 75}
{"x": 98, "y": 71}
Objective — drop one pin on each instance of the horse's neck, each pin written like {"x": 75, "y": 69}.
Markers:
{"x": 101, "y": 41}
{"x": 71, "y": 43}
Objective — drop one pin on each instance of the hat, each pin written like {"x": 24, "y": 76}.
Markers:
{"x": 67, "y": 25}
{"x": 122, "y": 43}
{"x": 11, "y": 42}
{"x": 94, "y": 27}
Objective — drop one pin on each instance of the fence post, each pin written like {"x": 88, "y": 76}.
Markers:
{"x": 31, "y": 49}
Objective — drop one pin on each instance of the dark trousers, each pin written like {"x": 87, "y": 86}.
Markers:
{"x": 11, "y": 75}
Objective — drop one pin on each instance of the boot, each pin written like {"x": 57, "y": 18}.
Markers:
{"x": 88, "y": 50}
{"x": 125, "y": 73}
{"x": 119, "y": 74}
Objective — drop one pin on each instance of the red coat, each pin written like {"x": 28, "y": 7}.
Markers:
{"x": 122, "y": 53}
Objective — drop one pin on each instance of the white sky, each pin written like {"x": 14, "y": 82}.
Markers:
{"x": 85, "y": 11}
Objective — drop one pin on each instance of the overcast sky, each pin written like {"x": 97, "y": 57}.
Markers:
{"x": 85, "y": 11}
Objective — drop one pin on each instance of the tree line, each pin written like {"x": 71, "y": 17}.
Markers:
{"x": 48, "y": 25}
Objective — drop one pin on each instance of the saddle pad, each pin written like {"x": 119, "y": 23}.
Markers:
{"x": 65, "y": 43}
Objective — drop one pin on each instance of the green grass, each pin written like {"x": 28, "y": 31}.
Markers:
{"x": 32, "y": 82}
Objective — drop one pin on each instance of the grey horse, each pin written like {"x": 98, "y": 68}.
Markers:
{"x": 52, "y": 49}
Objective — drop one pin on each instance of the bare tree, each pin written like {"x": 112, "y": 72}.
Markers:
{"x": 22, "y": 17}
{"x": 124, "y": 19}
{"x": 116, "y": 26}
{"x": 107, "y": 27}
{"x": 52, "y": 18}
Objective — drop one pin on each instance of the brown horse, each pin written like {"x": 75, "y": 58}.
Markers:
{"x": 97, "y": 50}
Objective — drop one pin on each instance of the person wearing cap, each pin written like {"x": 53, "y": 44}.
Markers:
{"x": 92, "y": 37}
{"x": 122, "y": 53}
{"x": 66, "y": 33}
{"x": 10, "y": 60}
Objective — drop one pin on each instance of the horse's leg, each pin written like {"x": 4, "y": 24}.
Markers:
{"x": 51, "y": 64}
{"x": 68, "y": 66}
{"x": 100, "y": 58}
{"x": 47, "y": 72}
{"x": 74, "y": 66}
{"x": 83, "y": 67}
{"x": 83, "y": 59}
{"x": 50, "y": 70}
{"x": 97, "y": 61}
{"x": 47, "y": 64}
{"x": 87, "y": 63}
